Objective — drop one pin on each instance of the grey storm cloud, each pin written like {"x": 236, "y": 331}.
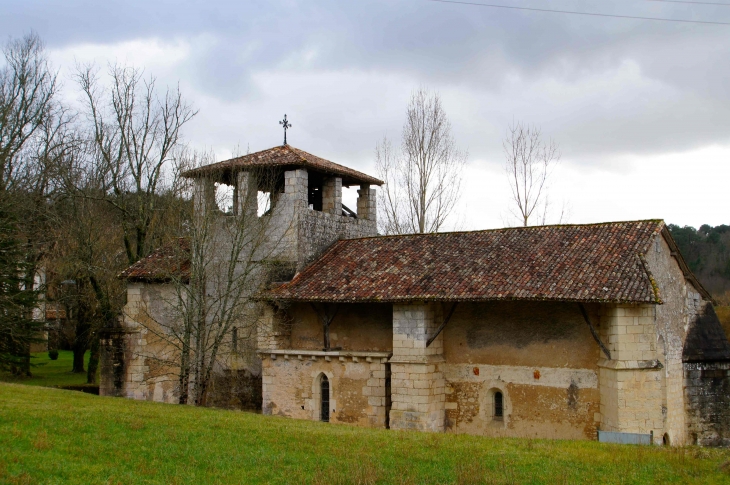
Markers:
{"x": 599, "y": 86}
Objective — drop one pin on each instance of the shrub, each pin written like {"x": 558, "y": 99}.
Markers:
{"x": 53, "y": 354}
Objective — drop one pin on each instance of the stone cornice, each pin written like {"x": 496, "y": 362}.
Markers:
{"x": 630, "y": 364}
{"x": 301, "y": 354}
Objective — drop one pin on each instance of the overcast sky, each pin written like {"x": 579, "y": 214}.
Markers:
{"x": 640, "y": 109}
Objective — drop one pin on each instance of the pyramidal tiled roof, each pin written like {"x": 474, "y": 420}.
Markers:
{"x": 586, "y": 263}
{"x": 286, "y": 156}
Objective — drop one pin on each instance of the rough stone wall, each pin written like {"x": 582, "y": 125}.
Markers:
{"x": 282, "y": 224}
{"x": 519, "y": 333}
{"x": 679, "y": 301}
{"x": 318, "y": 230}
{"x": 146, "y": 378}
{"x": 148, "y": 361}
{"x": 357, "y": 386}
{"x": 707, "y": 398}
{"x": 706, "y": 365}
{"x": 417, "y": 383}
{"x": 235, "y": 389}
{"x": 357, "y": 327}
{"x": 693, "y": 350}
{"x": 300, "y": 234}
{"x": 274, "y": 329}
{"x": 540, "y": 356}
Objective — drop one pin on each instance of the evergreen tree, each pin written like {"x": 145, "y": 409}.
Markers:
{"x": 18, "y": 299}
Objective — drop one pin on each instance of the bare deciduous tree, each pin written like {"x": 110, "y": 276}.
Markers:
{"x": 423, "y": 179}
{"x": 207, "y": 320}
{"x": 27, "y": 90}
{"x": 136, "y": 133}
{"x": 529, "y": 162}
{"x": 84, "y": 266}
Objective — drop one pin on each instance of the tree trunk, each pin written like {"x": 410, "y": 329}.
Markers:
{"x": 26, "y": 363}
{"x": 108, "y": 315}
{"x": 79, "y": 349}
{"x": 93, "y": 360}
{"x": 80, "y": 343}
{"x": 184, "y": 381}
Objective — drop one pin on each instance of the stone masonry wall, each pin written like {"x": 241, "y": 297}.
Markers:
{"x": 672, "y": 316}
{"x": 148, "y": 360}
{"x": 631, "y": 381}
{"x": 319, "y": 230}
{"x": 356, "y": 327}
{"x": 696, "y": 405}
{"x": 332, "y": 196}
{"x": 273, "y": 329}
{"x": 367, "y": 204}
{"x": 357, "y": 386}
{"x": 301, "y": 234}
{"x": 540, "y": 355}
{"x": 707, "y": 397}
{"x": 538, "y": 402}
{"x": 418, "y": 386}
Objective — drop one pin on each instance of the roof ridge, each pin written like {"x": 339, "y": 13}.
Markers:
{"x": 474, "y": 231}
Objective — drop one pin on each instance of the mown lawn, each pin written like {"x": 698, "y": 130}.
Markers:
{"x": 51, "y": 373}
{"x": 56, "y": 436}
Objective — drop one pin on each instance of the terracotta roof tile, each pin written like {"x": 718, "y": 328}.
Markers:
{"x": 286, "y": 156}
{"x": 591, "y": 263}
{"x": 163, "y": 264}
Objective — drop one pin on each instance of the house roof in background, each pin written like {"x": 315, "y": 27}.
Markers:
{"x": 582, "y": 263}
{"x": 171, "y": 261}
{"x": 285, "y": 156}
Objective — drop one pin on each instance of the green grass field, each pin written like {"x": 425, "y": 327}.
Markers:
{"x": 51, "y": 373}
{"x": 50, "y": 436}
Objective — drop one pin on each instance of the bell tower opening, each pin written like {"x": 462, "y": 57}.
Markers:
{"x": 314, "y": 192}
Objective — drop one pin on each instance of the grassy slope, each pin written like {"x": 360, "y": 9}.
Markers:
{"x": 56, "y": 436}
{"x": 50, "y": 373}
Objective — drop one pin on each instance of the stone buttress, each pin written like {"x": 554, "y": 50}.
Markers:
{"x": 417, "y": 383}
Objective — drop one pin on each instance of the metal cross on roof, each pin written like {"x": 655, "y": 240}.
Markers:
{"x": 286, "y": 126}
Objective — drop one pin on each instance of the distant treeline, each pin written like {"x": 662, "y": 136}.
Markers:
{"x": 707, "y": 252}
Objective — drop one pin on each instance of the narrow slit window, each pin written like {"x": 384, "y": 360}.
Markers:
{"x": 498, "y": 406}
{"x": 234, "y": 339}
{"x": 325, "y": 409}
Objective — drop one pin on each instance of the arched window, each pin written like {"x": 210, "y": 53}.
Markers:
{"x": 498, "y": 406}
{"x": 324, "y": 384}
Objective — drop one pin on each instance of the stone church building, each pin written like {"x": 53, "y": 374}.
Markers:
{"x": 592, "y": 331}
